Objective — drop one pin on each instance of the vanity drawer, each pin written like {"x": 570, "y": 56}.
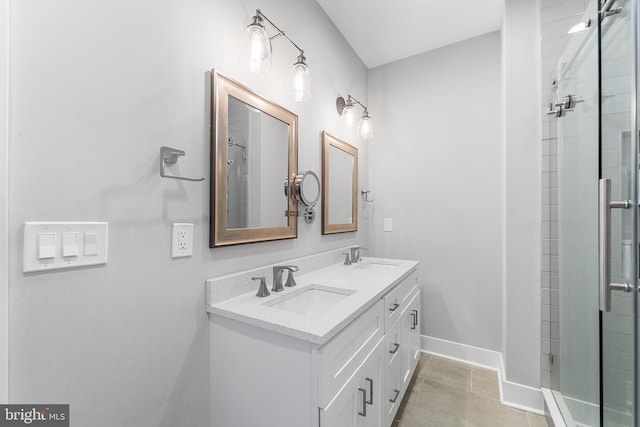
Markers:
{"x": 397, "y": 299}
{"x": 339, "y": 359}
{"x": 394, "y": 345}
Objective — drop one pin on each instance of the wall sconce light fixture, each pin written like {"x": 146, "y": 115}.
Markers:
{"x": 257, "y": 56}
{"x": 346, "y": 109}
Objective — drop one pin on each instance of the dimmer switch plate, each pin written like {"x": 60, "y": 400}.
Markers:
{"x": 181, "y": 240}
{"x": 58, "y": 245}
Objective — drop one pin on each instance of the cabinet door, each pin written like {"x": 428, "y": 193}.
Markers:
{"x": 406, "y": 321}
{"x": 392, "y": 397}
{"x": 343, "y": 409}
{"x": 359, "y": 403}
{"x": 410, "y": 338}
{"x": 414, "y": 331}
{"x": 393, "y": 344}
{"x": 394, "y": 348}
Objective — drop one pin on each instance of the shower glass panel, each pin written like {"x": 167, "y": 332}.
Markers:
{"x": 593, "y": 233}
{"x": 574, "y": 315}
{"x": 618, "y": 163}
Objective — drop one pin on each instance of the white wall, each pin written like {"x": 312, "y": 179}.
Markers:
{"x": 4, "y": 175}
{"x": 97, "y": 87}
{"x": 436, "y": 170}
{"x": 522, "y": 209}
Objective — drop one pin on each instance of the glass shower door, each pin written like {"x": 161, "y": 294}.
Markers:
{"x": 618, "y": 171}
{"x": 575, "y": 378}
{"x": 594, "y": 217}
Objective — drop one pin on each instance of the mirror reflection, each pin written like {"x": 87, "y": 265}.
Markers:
{"x": 341, "y": 194}
{"x": 254, "y": 150}
{"x": 340, "y": 183}
{"x": 257, "y": 164}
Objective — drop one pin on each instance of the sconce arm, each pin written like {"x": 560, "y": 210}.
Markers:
{"x": 351, "y": 98}
{"x": 280, "y": 32}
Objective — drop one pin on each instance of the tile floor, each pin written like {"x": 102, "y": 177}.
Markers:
{"x": 447, "y": 393}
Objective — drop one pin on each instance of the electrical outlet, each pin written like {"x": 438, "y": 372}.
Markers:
{"x": 181, "y": 240}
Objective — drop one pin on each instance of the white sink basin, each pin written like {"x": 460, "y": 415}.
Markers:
{"x": 310, "y": 300}
{"x": 376, "y": 265}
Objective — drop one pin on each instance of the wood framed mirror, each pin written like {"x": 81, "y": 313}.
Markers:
{"x": 339, "y": 185}
{"x": 254, "y": 158}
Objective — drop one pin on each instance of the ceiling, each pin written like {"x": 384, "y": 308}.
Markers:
{"x": 382, "y": 31}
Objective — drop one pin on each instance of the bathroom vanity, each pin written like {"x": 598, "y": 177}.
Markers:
{"x": 337, "y": 350}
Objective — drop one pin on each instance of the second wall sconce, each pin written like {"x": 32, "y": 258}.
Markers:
{"x": 346, "y": 109}
{"x": 257, "y": 56}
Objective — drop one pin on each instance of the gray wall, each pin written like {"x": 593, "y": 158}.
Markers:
{"x": 436, "y": 169}
{"x": 521, "y": 192}
{"x": 96, "y": 88}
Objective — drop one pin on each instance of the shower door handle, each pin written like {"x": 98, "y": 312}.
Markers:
{"x": 605, "y": 286}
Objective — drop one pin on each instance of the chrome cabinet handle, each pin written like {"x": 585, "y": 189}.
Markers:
{"x": 395, "y": 349}
{"x": 394, "y": 307}
{"x": 397, "y": 393}
{"x": 370, "y": 381}
{"x": 364, "y": 402}
{"x": 605, "y": 286}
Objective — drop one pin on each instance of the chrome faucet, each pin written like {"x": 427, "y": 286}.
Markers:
{"x": 262, "y": 290}
{"x": 347, "y": 258}
{"x": 355, "y": 253}
{"x": 277, "y": 277}
{"x": 291, "y": 281}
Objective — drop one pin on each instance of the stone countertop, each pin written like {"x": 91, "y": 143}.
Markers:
{"x": 370, "y": 279}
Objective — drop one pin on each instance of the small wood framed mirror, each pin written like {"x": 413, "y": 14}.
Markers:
{"x": 339, "y": 185}
{"x": 254, "y": 160}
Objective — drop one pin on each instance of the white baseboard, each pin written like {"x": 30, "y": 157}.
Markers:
{"x": 511, "y": 394}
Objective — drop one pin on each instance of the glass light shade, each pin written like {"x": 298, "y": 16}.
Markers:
{"x": 366, "y": 127}
{"x": 299, "y": 82}
{"x": 348, "y": 114}
{"x": 257, "y": 50}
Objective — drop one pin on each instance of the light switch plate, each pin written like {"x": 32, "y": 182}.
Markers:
{"x": 388, "y": 224}
{"x": 181, "y": 240}
{"x": 61, "y": 254}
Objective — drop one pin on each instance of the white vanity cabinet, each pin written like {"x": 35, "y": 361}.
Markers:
{"x": 262, "y": 377}
{"x": 394, "y": 384}
{"x": 412, "y": 332}
{"x": 402, "y": 344}
{"x": 359, "y": 403}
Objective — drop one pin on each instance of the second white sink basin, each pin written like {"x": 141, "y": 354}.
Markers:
{"x": 376, "y": 265}
{"x": 310, "y": 300}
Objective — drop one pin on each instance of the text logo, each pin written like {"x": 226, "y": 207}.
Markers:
{"x": 34, "y": 415}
